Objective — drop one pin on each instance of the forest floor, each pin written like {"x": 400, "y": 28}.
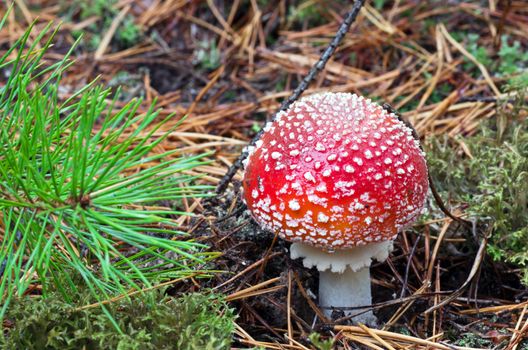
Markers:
{"x": 444, "y": 65}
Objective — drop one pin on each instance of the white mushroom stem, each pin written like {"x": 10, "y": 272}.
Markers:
{"x": 344, "y": 276}
{"x": 346, "y": 290}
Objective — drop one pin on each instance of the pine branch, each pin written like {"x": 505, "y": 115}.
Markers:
{"x": 75, "y": 191}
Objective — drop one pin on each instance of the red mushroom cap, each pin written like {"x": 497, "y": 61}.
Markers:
{"x": 335, "y": 171}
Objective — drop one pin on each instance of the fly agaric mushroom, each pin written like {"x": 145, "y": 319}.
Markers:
{"x": 339, "y": 176}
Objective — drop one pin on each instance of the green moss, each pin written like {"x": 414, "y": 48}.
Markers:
{"x": 309, "y": 13}
{"x": 126, "y": 35}
{"x": 207, "y": 55}
{"x": 379, "y": 4}
{"x": 411, "y": 105}
{"x": 320, "y": 344}
{"x": 512, "y": 58}
{"x": 154, "y": 321}
{"x": 440, "y": 93}
{"x": 479, "y": 52}
{"x": 493, "y": 183}
{"x": 473, "y": 340}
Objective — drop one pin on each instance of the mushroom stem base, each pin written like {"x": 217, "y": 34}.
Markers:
{"x": 348, "y": 289}
{"x": 344, "y": 276}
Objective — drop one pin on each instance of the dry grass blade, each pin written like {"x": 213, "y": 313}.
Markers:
{"x": 254, "y": 293}
{"x": 409, "y": 301}
{"x": 362, "y": 340}
{"x": 136, "y": 292}
{"x": 439, "y": 68}
{"x": 110, "y": 33}
{"x": 377, "y": 337}
{"x": 460, "y": 48}
{"x": 474, "y": 269}
{"x": 288, "y": 306}
{"x": 495, "y": 309}
{"x": 518, "y": 334}
{"x": 359, "y": 331}
{"x": 250, "y": 291}
{"x": 247, "y": 269}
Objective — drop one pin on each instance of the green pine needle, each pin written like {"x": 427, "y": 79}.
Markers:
{"x": 72, "y": 194}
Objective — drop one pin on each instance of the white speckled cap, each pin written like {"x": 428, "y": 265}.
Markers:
{"x": 336, "y": 170}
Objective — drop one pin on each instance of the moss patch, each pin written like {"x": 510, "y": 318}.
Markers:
{"x": 493, "y": 181}
{"x": 154, "y": 321}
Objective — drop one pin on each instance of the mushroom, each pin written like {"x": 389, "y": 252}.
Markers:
{"x": 339, "y": 176}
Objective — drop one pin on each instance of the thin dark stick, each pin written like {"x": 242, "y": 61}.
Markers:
{"x": 441, "y": 204}
{"x": 485, "y": 99}
{"x": 260, "y": 319}
{"x": 408, "y": 268}
{"x": 481, "y": 253}
{"x": 314, "y": 71}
